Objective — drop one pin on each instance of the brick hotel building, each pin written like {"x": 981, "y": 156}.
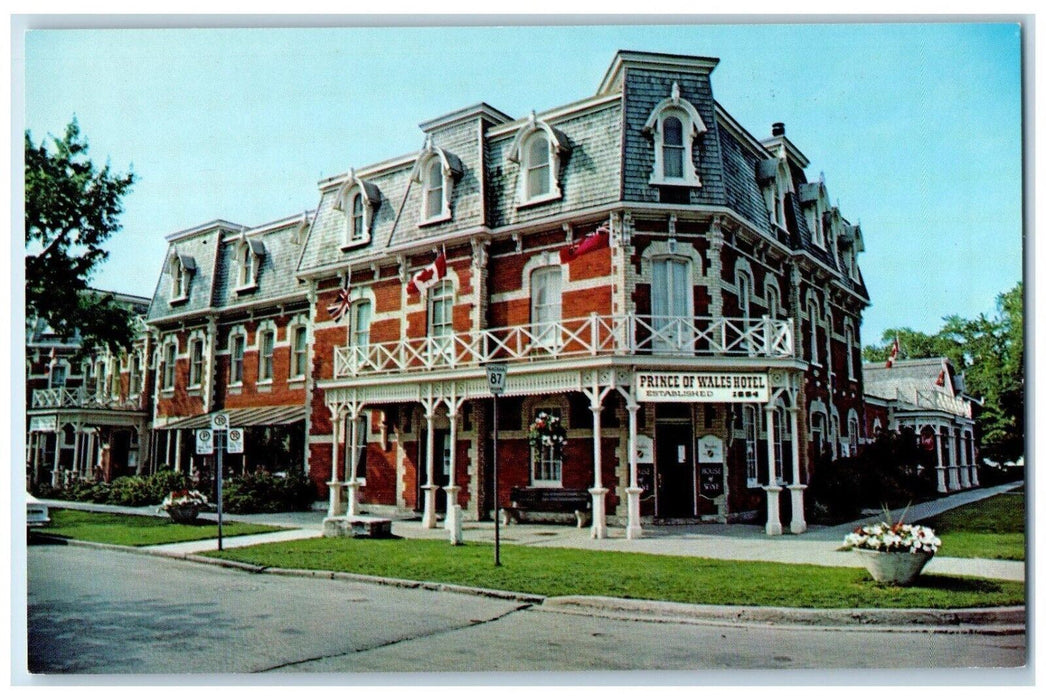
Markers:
{"x": 673, "y": 290}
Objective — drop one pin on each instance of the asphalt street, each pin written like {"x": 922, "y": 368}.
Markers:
{"x": 94, "y": 611}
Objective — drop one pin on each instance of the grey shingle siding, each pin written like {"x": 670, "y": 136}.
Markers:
{"x": 202, "y": 247}
{"x": 643, "y": 90}
{"x": 589, "y": 174}
{"x": 741, "y": 191}
{"x": 275, "y": 278}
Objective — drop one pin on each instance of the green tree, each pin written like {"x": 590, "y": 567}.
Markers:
{"x": 71, "y": 210}
{"x": 989, "y": 351}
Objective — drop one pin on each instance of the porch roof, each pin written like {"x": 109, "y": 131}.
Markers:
{"x": 243, "y": 417}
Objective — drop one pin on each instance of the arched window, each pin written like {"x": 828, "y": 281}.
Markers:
{"x": 181, "y": 269}
{"x": 538, "y": 148}
{"x": 547, "y": 455}
{"x": 817, "y": 438}
{"x": 195, "y": 362}
{"x": 744, "y": 293}
{"x": 237, "y": 347}
{"x": 546, "y": 305}
{"x": 358, "y": 200}
{"x": 59, "y": 374}
{"x": 433, "y": 189}
{"x": 266, "y": 348}
{"x": 248, "y": 262}
{"x": 299, "y": 351}
{"x": 536, "y": 167}
{"x": 672, "y": 147}
{"x": 359, "y": 331}
{"x": 441, "y": 321}
{"x": 674, "y": 125}
{"x": 170, "y": 351}
{"x": 357, "y": 225}
{"x": 853, "y": 431}
{"x": 135, "y": 375}
{"x": 671, "y": 305}
{"x": 773, "y": 301}
{"x": 850, "y": 349}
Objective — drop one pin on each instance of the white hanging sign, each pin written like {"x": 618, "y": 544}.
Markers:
{"x": 644, "y": 449}
{"x": 219, "y": 421}
{"x": 710, "y": 449}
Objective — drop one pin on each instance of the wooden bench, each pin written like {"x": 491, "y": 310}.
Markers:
{"x": 534, "y": 500}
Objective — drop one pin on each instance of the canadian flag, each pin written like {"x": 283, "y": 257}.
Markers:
{"x": 894, "y": 352}
{"x": 423, "y": 279}
{"x": 943, "y": 373}
{"x": 600, "y": 238}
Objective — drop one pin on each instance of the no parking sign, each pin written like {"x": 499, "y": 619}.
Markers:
{"x": 204, "y": 442}
{"x": 235, "y": 444}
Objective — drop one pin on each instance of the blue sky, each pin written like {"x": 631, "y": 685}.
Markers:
{"x": 917, "y": 127}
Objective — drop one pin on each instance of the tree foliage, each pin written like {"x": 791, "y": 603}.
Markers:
{"x": 71, "y": 210}
{"x": 989, "y": 351}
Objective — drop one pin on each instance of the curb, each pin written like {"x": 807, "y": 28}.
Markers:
{"x": 1003, "y": 620}
{"x": 991, "y": 621}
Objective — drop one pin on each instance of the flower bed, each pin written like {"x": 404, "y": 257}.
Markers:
{"x": 183, "y": 506}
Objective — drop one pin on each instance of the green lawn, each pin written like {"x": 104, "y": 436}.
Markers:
{"x": 548, "y": 571}
{"x": 990, "y": 529}
{"x": 137, "y": 530}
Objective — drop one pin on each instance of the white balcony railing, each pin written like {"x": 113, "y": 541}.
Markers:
{"x": 80, "y": 398}
{"x": 594, "y": 335}
{"x": 943, "y": 402}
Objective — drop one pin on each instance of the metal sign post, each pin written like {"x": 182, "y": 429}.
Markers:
{"x": 496, "y": 381}
{"x": 219, "y": 424}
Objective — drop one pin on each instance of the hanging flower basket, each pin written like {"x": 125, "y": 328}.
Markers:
{"x": 893, "y": 553}
{"x": 547, "y": 431}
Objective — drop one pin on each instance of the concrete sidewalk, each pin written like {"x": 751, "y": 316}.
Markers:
{"x": 819, "y": 545}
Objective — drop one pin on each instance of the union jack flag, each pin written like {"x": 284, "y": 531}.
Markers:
{"x": 340, "y": 308}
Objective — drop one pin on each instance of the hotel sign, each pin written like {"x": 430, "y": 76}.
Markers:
{"x": 702, "y": 387}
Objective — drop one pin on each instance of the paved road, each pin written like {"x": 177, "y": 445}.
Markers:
{"x": 97, "y": 611}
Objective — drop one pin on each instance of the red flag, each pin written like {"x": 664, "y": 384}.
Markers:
{"x": 340, "y": 308}
{"x": 600, "y": 238}
{"x": 423, "y": 279}
{"x": 894, "y": 352}
{"x": 943, "y": 373}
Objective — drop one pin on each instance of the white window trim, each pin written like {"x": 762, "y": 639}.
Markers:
{"x": 247, "y": 275}
{"x": 265, "y": 327}
{"x": 548, "y": 405}
{"x": 237, "y": 332}
{"x": 813, "y": 311}
{"x": 299, "y": 322}
{"x": 693, "y": 126}
{"x": 519, "y": 154}
{"x": 549, "y": 338}
{"x": 172, "y": 363}
{"x": 449, "y": 170}
{"x": 370, "y": 199}
{"x": 64, "y": 364}
{"x": 181, "y": 279}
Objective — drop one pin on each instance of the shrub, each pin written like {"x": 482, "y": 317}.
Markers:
{"x": 163, "y": 482}
{"x": 130, "y": 491}
{"x": 262, "y": 492}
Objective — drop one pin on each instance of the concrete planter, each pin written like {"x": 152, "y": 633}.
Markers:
{"x": 894, "y": 568}
{"x": 183, "y": 515}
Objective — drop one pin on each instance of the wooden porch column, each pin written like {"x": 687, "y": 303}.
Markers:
{"x": 773, "y": 491}
{"x": 352, "y": 484}
{"x": 798, "y": 524}
{"x": 77, "y": 437}
{"x": 57, "y": 454}
{"x": 335, "y": 507}
{"x": 178, "y": 450}
{"x": 451, "y": 521}
{"x": 428, "y": 517}
{"x": 599, "y": 493}
{"x": 634, "y": 530}
{"x": 941, "y": 487}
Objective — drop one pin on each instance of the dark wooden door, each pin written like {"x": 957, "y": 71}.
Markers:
{"x": 441, "y": 477}
{"x": 674, "y": 450}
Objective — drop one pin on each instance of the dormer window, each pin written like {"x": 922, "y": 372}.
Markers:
{"x": 181, "y": 268}
{"x": 436, "y": 171}
{"x": 536, "y": 167}
{"x": 674, "y": 125}
{"x": 248, "y": 261}
{"x": 358, "y": 199}
{"x": 539, "y": 150}
{"x": 433, "y": 189}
